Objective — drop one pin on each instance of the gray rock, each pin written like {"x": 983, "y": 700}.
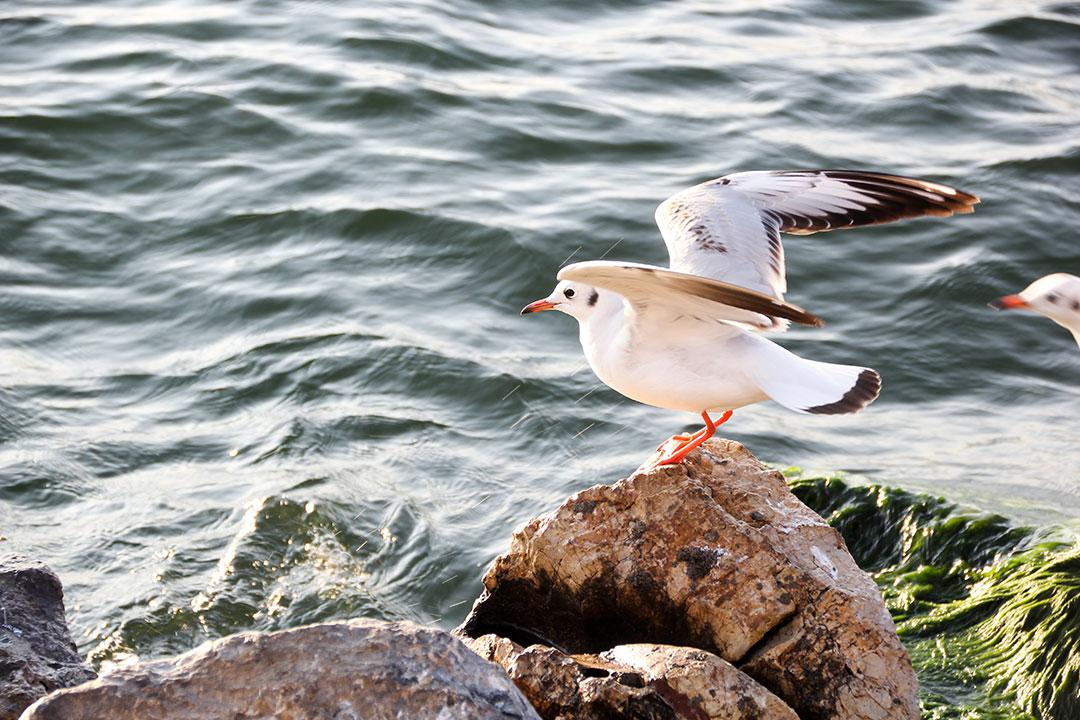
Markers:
{"x": 37, "y": 655}
{"x": 341, "y": 671}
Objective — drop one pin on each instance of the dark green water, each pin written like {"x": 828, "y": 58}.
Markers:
{"x": 260, "y": 267}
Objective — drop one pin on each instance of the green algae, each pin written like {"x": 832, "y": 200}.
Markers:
{"x": 989, "y": 611}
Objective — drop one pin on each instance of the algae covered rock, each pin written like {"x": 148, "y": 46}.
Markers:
{"x": 37, "y": 655}
{"x": 979, "y": 601}
{"x": 714, "y": 554}
{"x": 345, "y": 670}
{"x": 1018, "y": 632}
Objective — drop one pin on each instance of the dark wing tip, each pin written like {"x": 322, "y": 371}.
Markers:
{"x": 746, "y": 299}
{"x": 912, "y": 189}
{"x": 778, "y": 319}
{"x": 865, "y": 390}
{"x": 801, "y": 316}
{"x": 786, "y": 311}
{"x": 895, "y": 197}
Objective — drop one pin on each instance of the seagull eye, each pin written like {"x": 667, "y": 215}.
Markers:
{"x": 1052, "y": 298}
{"x": 568, "y": 292}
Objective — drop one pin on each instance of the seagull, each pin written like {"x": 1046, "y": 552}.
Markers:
{"x": 685, "y": 337}
{"x": 1057, "y": 296}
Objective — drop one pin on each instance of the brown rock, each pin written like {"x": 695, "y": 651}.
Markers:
{"x": 715, "y": 554}
{"x": 548, "y": 679}
{"x": 640, "y": 682}
{"x": 37, "y": 655}
{"x": 712, "y": 687}
{"x": 340, "y": 671}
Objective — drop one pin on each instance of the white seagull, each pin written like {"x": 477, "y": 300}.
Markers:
{"x": 1056, "y": 296}
{"x": 680, "y": 338}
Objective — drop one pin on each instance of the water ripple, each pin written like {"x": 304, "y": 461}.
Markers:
{"x": 261, "y": 362}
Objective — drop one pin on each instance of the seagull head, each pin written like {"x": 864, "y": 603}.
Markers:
{"x": 1056, "y": 296}
{"x": 573, "y": 298}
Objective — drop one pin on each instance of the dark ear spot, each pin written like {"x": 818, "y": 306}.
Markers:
{"x": 1076, "y": 304}
{"x": 593, "y": 298}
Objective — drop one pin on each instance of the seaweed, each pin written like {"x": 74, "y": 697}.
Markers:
{"x": 989, "y": 611}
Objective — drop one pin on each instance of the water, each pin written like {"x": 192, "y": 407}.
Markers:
{"x": 260, "y": 359}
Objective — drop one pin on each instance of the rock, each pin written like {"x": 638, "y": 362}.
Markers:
{"x": 714, "y": 554}
{"x": 701, "y": 681}
{"x": 37, "y": 655}
{"x": 639, "y": 682}
{"x": 341, "y": 671}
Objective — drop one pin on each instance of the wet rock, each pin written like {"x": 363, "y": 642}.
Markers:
{"x": 715, "y": 554}
{"x": 640, "y": 682}
{"x": 37, "y": 655}
{"x": 344, "y": 671}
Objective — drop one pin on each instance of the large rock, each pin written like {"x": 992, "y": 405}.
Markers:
{"x": 715, "y": 554}
{"x": 634, "y": 682}
{"x": 341, "y": 671}
{"x": 37, "y": 655}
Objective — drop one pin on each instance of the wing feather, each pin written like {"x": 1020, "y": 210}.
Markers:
{"x": 729, "y": 229}
{"x": 648, "y": 288}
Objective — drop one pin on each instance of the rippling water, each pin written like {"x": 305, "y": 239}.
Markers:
{"x": 260, "y": 358}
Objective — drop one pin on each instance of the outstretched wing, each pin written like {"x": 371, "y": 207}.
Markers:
{"x": 729, "y": 228}
{"x": 661, "y": 293}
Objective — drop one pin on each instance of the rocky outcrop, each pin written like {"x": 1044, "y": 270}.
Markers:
{"x": 37, "y": 655}
{"x": 341, "y": 671}
{"x": 714, "y": 554}
{"x": 635, "y": 682}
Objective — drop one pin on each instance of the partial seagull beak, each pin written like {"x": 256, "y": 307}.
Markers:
{"x": 538, "y": 306}
{"x": 1009, "y": 302}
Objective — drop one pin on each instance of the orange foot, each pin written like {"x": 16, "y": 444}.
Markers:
{"x": 686, "y": 444}
{"x": 677, "y": 439}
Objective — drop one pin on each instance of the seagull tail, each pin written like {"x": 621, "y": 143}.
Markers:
{"x": 809, "y": 386}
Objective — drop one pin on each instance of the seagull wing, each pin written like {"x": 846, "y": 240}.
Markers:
{"x": 729, "y": 228}
{"x": 657, "y": 294}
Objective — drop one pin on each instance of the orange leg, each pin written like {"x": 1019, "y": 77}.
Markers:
{"x": 679, "y": 439}
{"x": 678, "y": 453}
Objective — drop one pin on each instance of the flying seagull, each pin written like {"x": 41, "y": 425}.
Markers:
{"x": 1056, "y": 296}
{"x": 682, "y": 338}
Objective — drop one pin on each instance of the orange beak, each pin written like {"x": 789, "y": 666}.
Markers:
{"x": 538, "y": 306}
{"x": 1008, "y": 302}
